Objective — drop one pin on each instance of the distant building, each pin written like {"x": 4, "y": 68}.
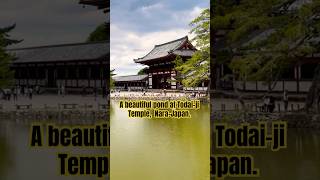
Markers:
{"x": 133, "y": 82}
{"x": 161, "y": 73}
{"x": 70, "y": 65}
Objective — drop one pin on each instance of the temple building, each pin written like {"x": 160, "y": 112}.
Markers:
{"x": 132, "y": 82}
{"x": 69, "y": 65}
{"x": 161, "y": 73}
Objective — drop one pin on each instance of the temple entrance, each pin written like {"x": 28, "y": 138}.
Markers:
{"x": 160, "y": 81}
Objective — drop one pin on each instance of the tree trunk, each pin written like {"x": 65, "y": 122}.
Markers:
{"x": 312, "y": 100}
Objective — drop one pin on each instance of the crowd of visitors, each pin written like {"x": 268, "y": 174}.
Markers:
{"x": 17, "y": 91}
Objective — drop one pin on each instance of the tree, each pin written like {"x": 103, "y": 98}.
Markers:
{"x": 112, "y": 84}
{"x": 178, "y": 62}
{"x": 101, "y": 33}
{"x": 262, "y": 39}
{"x": 6, "y": 74}
{"x": 143, "y": 71}
{"x": 196, "y": 69}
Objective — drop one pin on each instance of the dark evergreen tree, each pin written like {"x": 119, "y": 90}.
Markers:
{"x": 6, "y": 74}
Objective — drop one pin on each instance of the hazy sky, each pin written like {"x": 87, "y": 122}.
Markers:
{"x": 137, "y": 25}
{"x": 45, "y": 22}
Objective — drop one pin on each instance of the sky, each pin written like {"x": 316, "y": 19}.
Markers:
{"x": 47, "y": 22}
{"x": 138, "y": 25}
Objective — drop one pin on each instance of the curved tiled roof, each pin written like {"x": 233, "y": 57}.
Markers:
{"x": 163, "y": 50}
{"x": 61, "y": 53}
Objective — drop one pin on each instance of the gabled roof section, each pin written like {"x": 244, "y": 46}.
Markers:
{"x": 61, "y": 53}
{"x": 130, "y": 78}
{"x": 166, "y": 49}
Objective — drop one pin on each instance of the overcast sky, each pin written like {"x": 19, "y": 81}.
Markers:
{"x": 45, "y": 22}
{"x": 137, "y": 25}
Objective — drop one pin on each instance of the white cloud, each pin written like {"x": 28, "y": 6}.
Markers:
{"x": 153, "y": 7}
{"x": 187, "y": 16}
{"x": 127, "y": 46}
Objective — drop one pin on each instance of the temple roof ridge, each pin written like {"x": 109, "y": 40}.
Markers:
{"x": 165, "y": 49}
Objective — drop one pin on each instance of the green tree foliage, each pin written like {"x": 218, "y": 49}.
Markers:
{"x": 196, "y": 69}
{"x": 143, "y": 71}
{"x": 101, "y": 33}
{"x": 178, "y": 62}
{"x": 263, "y": 38}
{"x": 6, "y": 74}
{"x": 111, "y": 79}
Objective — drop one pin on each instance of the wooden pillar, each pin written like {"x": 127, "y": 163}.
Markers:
{"x": 55, "y": 76}
{"x": 28, "y": 75}
{"x": 37, "y": 75}
{"x": 95, "y": 82}
{"x": 66, "y": 75}
{"x": 101, "y": 74}
{"x": 77, "y": 74}
{"x": 89, "y": 74}
{"x": 47, "y": 76}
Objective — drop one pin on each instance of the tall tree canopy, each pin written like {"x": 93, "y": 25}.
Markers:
{"x": 143, "y": 71}
{"x": 6, "y": 74}
{"x": 263, "y": 38}
{"x": 101, "y": 33}
{"x": 112, "y": 83}
{"x": 196, "y": 69}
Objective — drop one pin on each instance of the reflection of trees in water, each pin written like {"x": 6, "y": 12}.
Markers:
{"x": 300, "y": 160}
{"x": 4, "y": 156}
{"x": 305, "y": 142}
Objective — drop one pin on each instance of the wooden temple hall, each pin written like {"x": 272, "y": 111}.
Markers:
{"x": 69, "y": 65}
{"x": 133, "y": 82}
{"x": 161, "y": 73}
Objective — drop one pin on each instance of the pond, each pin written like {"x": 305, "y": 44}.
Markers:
{"x": 158, "y": 149}
{"x": 153, "y": 149}
{"x": 300, "y": 161}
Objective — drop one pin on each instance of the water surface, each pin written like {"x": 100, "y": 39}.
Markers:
{"x": 160, "y": 149}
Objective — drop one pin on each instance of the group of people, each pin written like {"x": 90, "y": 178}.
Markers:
{"x": 16, "y": 91}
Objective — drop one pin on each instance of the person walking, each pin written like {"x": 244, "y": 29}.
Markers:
{"x": 15, "y": 93}
{"x": 63, "y": 90}
{"x": 30, "y": 92}
{"x": 38, "y": 89}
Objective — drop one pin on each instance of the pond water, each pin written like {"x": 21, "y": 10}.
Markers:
{"x": 299, "y": 161}
{"x": 153, "y": 149}
{"x": 158, "y": 149}
{"x": 19, "y": 161}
